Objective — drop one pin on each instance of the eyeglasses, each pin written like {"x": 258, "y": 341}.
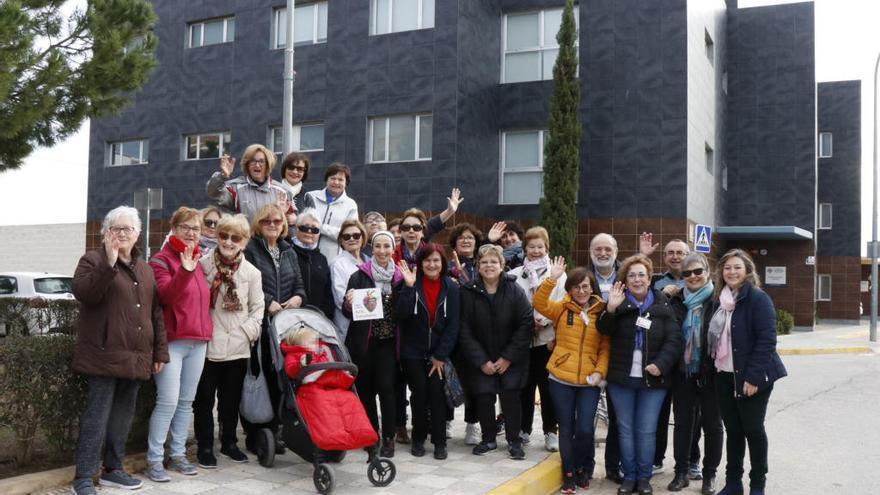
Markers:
{"x": 415, "y": 227}
{"x": 347, "y": 237}
{"x": 189, "y": 228}
{"x": 634, "y": 276}
{"x": 695, "y": 271}
{"x": 258, "y": 161}
{"x": 210, "y": 223}
{"x": 309, "y": 229}
{"x": 467, "y": 238}
{"x": 271, "y": 221}
{"x": 676, "y": 253}
{"x": 583, "y": 288}
{"x": 122, "y": 230}
{"x": 225, "y": 236}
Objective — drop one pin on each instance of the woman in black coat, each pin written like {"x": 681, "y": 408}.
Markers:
{"x": 313, "y": 265}
{"x": 282, "y": 289}
{"x": 494, "y": 336}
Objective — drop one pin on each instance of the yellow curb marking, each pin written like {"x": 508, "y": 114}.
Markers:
{"x": 545, "y": 478}
{"x": 824, "y": 350}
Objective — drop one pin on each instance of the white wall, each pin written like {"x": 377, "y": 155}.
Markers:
{"x": 54, "y": 248}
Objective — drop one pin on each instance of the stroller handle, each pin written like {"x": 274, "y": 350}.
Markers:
{"x": 349, "y": 367}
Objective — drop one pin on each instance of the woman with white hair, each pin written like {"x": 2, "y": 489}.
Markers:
{"x": 120, "y": 342}
{"x": 312, "y": 263}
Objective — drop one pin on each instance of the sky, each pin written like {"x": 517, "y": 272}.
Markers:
{"x": 52, "y": 185}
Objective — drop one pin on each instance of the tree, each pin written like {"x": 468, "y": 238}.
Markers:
{"x": 561, "y": 156}
{"x": 58, "y": 69}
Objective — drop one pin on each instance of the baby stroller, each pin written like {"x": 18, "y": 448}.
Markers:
{"x": 294, "y": 430}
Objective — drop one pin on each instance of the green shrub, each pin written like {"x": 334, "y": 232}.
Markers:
{"x": 784, "y": 322}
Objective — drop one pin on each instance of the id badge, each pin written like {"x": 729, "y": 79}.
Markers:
{"x": 643, "y": 322}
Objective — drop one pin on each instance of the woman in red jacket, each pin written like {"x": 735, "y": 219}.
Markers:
{"x": 185, "y": 297}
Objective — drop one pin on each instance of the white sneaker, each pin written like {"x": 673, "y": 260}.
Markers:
{"x": 472, "y": 434}
{"x": 449, "y": 429}
{"x": 525, "y": 437}
{"x": 551, "y": 442}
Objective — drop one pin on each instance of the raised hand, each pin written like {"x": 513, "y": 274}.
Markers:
{"x": 454, "y": 199}
{"x": 409, "y": 276}
{"x": 615, "y": 297}
{"x": 496, "y": 231}
{"x": 111, "y": 248}
{"x": 187, "y": 260}
{"x": 227, "y": 164}
{"x": 645, "y": 244}
{"x": 557, "y": 267}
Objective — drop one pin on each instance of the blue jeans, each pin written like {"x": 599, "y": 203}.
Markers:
{"x": 575, "y": 409}
{"x": 637, "y": 408}
{"x": 176, "y": 388}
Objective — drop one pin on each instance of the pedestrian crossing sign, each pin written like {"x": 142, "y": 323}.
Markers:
{"x": 703, "y": 239}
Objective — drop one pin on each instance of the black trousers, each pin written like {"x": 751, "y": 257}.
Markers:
{"x": 426, "y": 394}
{"x": 266, "y": 366}
{"x": 662, "y": 430}
{"x": 223, "y": 380}
{"x": 400, "y": 401}
{"x": 106, "y": 422}
{"x": 537, "y": 379}
{"x": 612, "y": 440}
{"x": 690, "y": 401}
{"x": 510, "y": 407}
{"x": 377, "y": 372}
{"x": 744, "y": 421}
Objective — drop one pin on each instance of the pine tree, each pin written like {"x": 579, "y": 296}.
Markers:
{"x": 561, "y": 157}
{"x": 59, "y": 68}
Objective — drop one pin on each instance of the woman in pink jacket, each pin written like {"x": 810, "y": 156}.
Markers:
{"x": 185, "y": 298}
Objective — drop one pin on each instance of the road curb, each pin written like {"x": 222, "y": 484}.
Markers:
{"x": 824, "y": 350}
{"x": 55, "y": 478}
{"x": 543, "y": 479}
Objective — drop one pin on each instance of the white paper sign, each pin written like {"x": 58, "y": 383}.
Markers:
{"x": 774, "y": 276}
{"x": 865, "y": 286}
{"x": 366, "y": 304}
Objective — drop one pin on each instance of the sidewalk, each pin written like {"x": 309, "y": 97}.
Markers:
{"x": 829, "y": 338}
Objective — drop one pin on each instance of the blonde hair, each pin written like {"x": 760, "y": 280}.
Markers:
{"x": 491, "y": 250}
{"x": 751, "y": 271}
{"x": 298, "y": 336}
{"x": 537, "y": 232}
{"x": 235, "y": 224}
{"x": 264, "y": 213}
{"x": 249, "y": 153}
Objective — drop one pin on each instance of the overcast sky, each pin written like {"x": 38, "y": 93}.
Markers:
{"x": 52, "y": 185}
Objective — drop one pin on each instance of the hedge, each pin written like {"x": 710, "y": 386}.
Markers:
{"x": 784, "y": 322}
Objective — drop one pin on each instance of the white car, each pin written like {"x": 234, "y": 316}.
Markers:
{"x": 35, "y": 286}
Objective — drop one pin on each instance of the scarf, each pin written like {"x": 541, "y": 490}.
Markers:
{"x": 533, "y": 270}
{"x": 303, "y": 245}
{"x": 643, "y": 306}
{"x": 225, "y": 272}
{"x": 382, "y": 276}
{"x": 693, "y": 323}
{"x": 719, "y": 326}
{"x": 293, "y": 188}
{"x": 513, "y": 254}
{"x": 178, "y": 246}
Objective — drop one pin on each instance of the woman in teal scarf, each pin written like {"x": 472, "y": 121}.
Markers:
{"x": 693, "y": 387}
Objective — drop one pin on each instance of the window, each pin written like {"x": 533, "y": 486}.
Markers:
{"x": 208, "y": 145}
{"x": 825, "y": 145}
{"x": 392, "y": 16}
{"x": 710, "y": 159}
{"x": 211, "y": 32}
{"x": 522, "y": 166}
{"x": 310, "y": 25}
{"x": 530, "y": 47}
{"x": 58, "y": 285}
{"x": 823, "y": 287}
{"x": 400, "y": 138}
{"x": 710, "y": 48}
{"x": 825, "y": 216}
{"x": 8, "y": 285}
{"x": 135, "y": 44}
{"x": 306, "y": 137}
{"x": 134, "y": 152}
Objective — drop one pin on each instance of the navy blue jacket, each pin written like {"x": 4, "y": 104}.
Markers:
{"x": 753, "y": 338}
{"x": 417, "y": 340}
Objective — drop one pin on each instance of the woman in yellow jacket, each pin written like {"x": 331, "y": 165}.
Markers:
{"x": 578, "y": 364}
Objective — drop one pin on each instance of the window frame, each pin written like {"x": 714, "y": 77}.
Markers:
{"x": 191, "y": 25}
{"x": 820, "y": 225}
{"x": 276, "y": 19}
{"x": 829, "y": 153}
{"x": 541, "y": 48}
{"x": 421, "y": 14}
{"x": 296, "y": 137}
{"x": 543, "y": 136}
{"x": 819, "y": 278}
{"x": 143, "y": 160}
{"x": 199, "y": 135}
{"x": 417, "y": 136}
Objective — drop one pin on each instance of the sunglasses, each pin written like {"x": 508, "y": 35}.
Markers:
{"x": 688, "y": 273}
{"x": 347, "y": 237}
{"x": 297, "y": 168}
{"x": 415, "y": 227}
{"x": 308, "y": 229}
{"x": 274, "y": 221}
{"x": 210, "y": 223}
{"x": 225, "y": 236}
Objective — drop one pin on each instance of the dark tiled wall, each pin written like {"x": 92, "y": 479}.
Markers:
{"x": 845, "y": 300}
{"x": 840, "y": 113}
{"x": 771, "y": 150}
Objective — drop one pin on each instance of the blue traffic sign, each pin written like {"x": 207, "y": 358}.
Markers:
{"x": 703, "y": 239}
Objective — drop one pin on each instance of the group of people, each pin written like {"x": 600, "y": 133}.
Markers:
{"x": 497, "y": 312}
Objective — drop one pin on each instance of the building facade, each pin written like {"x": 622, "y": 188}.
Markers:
{"x": 693, "y": 112}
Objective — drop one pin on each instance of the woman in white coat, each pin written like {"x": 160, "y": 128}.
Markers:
{"x": 333, "y": 207}
{"x": 351, "y": 241}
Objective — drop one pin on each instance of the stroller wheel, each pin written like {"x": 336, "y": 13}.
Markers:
{"x": 266, "y": 447}
{"x": 381, "y": 471}
{"x": 335, "y": 456}
{"x": 324, "y": 478}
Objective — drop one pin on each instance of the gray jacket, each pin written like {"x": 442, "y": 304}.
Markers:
{"x": 242, "y": 194}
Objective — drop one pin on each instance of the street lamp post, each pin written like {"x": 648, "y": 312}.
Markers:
{"x": 289, "y": 76}
{"x": 873, "y": 252}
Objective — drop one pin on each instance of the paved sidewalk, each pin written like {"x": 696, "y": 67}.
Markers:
{"x": 829, "y": 338}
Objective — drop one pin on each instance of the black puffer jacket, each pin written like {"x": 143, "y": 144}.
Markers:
{"x": 491, "y": 329}
{"x": 316, "y": 278}
{"x": 418, "y": 340}
{"x": 663, "y": 345}
{"x": 357, "y": 340}
{"x": 279, "y": 284}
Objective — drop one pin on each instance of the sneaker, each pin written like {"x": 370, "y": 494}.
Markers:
{"x": 117, "y": 478}
{"x": 448, "y": 430}
{"x": 417, "y": 449}
{"x": 484, "y": 447}
{"x": 440, "y": 452}
{"x": 402, "y": 435}
{"x": 499, "y": 425}
{"x": 694, "y": 472}
{"x": 156, "y": 472}
{"x": 658, "y": 469}
{"x": 515, "y": 451}
{"x": 472, "y": 434}
{"x": 233, "y": 453}
{"x": 525, "y": 438}
{"x": 83, "y": 486}
{"x": 182, "y": 465}
{"x": 551, "y": 442}
{"x": 207, "y": 460}
{"x": 582, "y": 478}
{"x": 568, "y": 486}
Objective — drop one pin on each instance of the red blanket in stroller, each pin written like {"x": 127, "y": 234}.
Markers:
{"x": 333, "y": 414}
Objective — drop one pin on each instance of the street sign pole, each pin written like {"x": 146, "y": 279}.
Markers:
{"x": 289, "y": 77}
{"x": 873, "y": 253}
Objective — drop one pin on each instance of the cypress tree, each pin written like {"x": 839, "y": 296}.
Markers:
{"x": 561, "y": 157}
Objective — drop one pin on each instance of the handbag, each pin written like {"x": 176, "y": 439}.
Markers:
{"x": 256, "y": 406}
{"x": 452, "y": 385}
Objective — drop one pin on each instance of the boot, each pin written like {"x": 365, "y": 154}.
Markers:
{"x": 387, "y": 450}
{"x": 678, "y": 483}
{"x": 708, "y": 486}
